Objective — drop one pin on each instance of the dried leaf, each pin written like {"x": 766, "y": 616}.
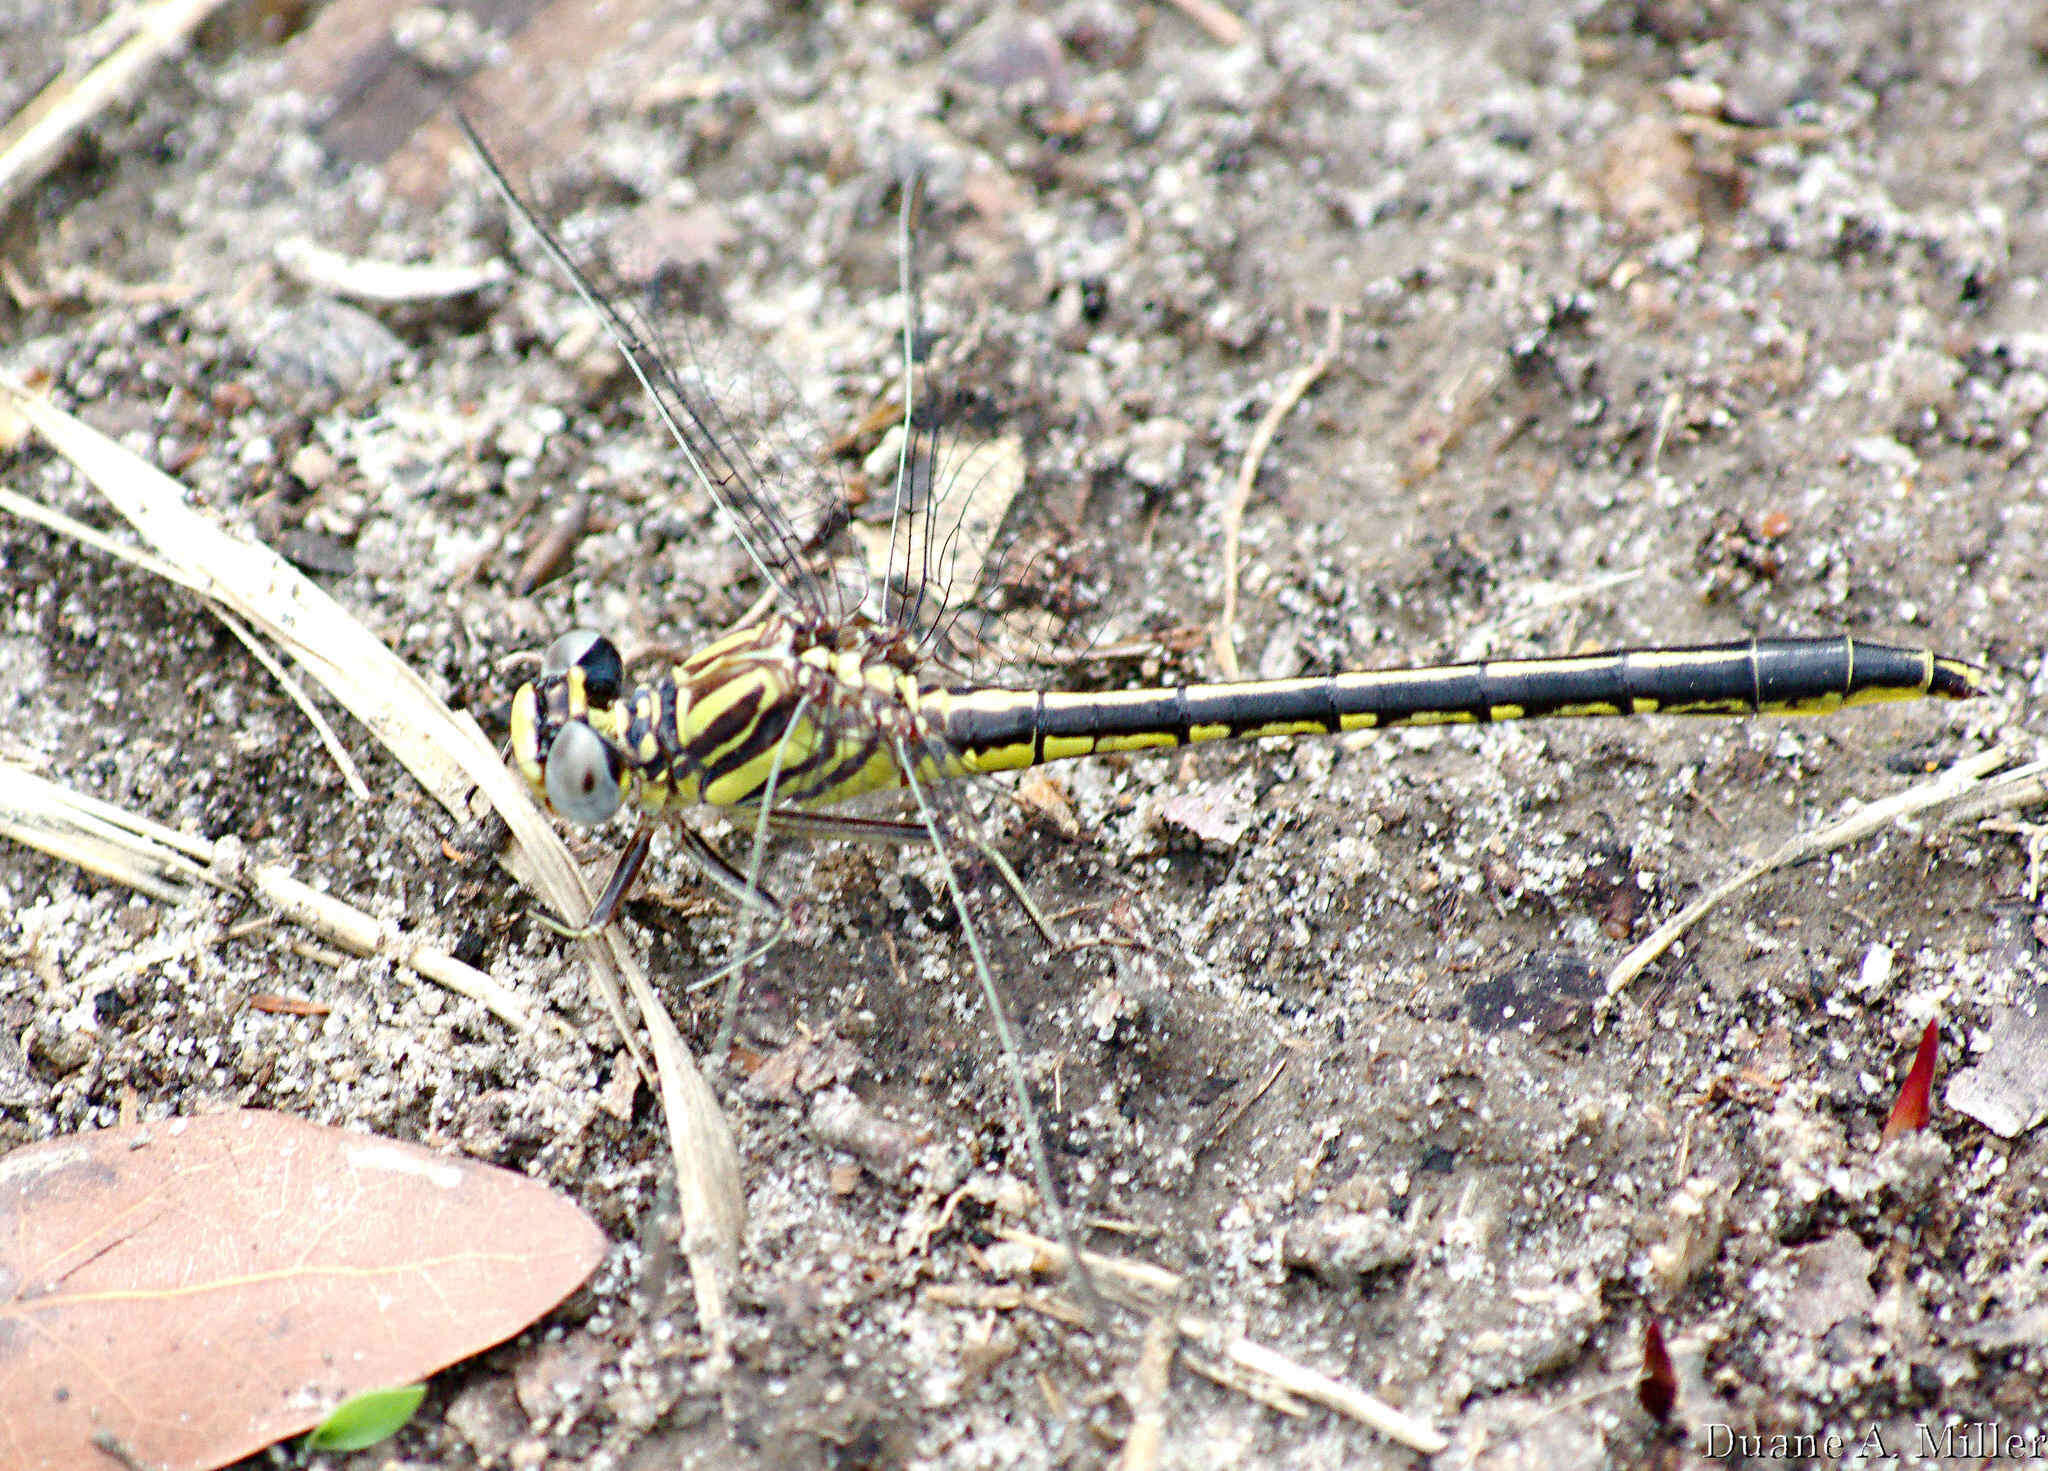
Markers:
{"x": 1914, "y": 1107}
{"x": 1657, "y": 1389}
{"x": 949, "y": 543}
{"x": 193, "y": 1289}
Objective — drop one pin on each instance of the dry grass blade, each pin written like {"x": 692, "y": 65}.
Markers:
{"x": 37, "y": 136}
{"x": 449, "y": 756}
{"x": 1154, "y": 1289}
{"x": 129, "y": 849}
{"x": 1223, "y": 637}
{"x": 41, "y": 815}
{"x": 1958, "y": 781}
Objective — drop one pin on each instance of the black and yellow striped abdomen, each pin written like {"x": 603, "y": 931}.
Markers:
{"x": 1003, "y": 730}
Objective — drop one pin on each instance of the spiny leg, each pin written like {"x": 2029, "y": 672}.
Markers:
{"x": 728, "y": 880}
{"x": 845, "y": 827}
{"x": 906, "y": 446}
{"x": 735, "y": 971}
{"x": 606, "y": 909}
{"x": 723, "y": 876}
{"x": 885, "y": 830}
{"x": 1013, "y": 1062}
{"x": 753, "y": 900}
{"x": 1015, "y": 884}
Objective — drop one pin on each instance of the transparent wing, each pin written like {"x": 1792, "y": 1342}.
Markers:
{"x": 928, "y": 554}
{"x": 930, "y": 544}
{"x": 742, "y": 432}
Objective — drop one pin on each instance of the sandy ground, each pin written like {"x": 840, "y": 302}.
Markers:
{"x": 1665, "y": 323}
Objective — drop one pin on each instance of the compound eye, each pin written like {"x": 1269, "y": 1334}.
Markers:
{"x": 582, "y": 782}
{"x": 587, "y": 649}
{"x": 563, "y": 653}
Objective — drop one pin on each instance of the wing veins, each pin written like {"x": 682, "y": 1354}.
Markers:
{"x": 770, "y": 543}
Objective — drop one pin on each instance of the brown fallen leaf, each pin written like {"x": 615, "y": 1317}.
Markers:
{"x": 193, "y": 1289}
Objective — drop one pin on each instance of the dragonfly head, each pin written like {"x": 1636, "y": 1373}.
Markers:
{"x": 566, "y": 726}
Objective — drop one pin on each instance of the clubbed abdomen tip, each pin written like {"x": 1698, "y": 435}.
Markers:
{"x": 1957, "y": 679}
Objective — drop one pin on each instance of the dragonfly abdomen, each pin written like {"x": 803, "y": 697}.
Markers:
{"x": 1002, "y": 730}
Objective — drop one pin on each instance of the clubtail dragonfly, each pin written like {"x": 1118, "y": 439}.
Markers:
{"x": 831, "y": 695}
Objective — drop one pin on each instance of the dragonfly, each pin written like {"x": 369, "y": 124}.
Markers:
{"x": 830, "y": 695}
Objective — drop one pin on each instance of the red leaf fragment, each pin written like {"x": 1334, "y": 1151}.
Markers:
{"x": 1914, "y": 1106}
{"x": 1657, "y": 1390}
{"x": 194, "y": 1289}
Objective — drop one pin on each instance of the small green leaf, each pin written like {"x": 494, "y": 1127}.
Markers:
{"x": 366, "y": 1419}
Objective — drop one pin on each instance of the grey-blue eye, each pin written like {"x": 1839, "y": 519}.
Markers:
{"x": 582, "y": 775}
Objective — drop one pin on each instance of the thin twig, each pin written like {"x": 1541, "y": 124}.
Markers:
{"x": 1957, "y": 781}
{"x": 1154, "y": 1289}
{"x": 1223, "y": 638}
{"x": 2010, "y": 791}
{"x": 1149, "y": 1378}
{"x": 1311, "y": 1384}
{"x": 130, "y": 849}
{"x": 1255, "y": 1387}
{"x": 1135, "y": 1282}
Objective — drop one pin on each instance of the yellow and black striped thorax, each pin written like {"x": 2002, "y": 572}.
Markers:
{"x": 771, "y": 707}
{"x": 768, "y": 707}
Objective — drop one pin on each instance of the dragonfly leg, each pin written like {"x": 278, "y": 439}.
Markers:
{"x": 843, "y": 827}
{"x": 746, "y": 890}
{"x": 742, "y": 890}
{"x": 607, "y": 907}
{"x": 885, "y": 830}
{"x": 1094, "y": 1305}
{"x": 1014, "y": 882}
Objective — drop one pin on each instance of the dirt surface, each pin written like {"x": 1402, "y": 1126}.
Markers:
{"x": 1665, "y": 323}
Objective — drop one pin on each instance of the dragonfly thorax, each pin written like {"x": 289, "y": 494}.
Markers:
{"x": 768, "y": 713}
